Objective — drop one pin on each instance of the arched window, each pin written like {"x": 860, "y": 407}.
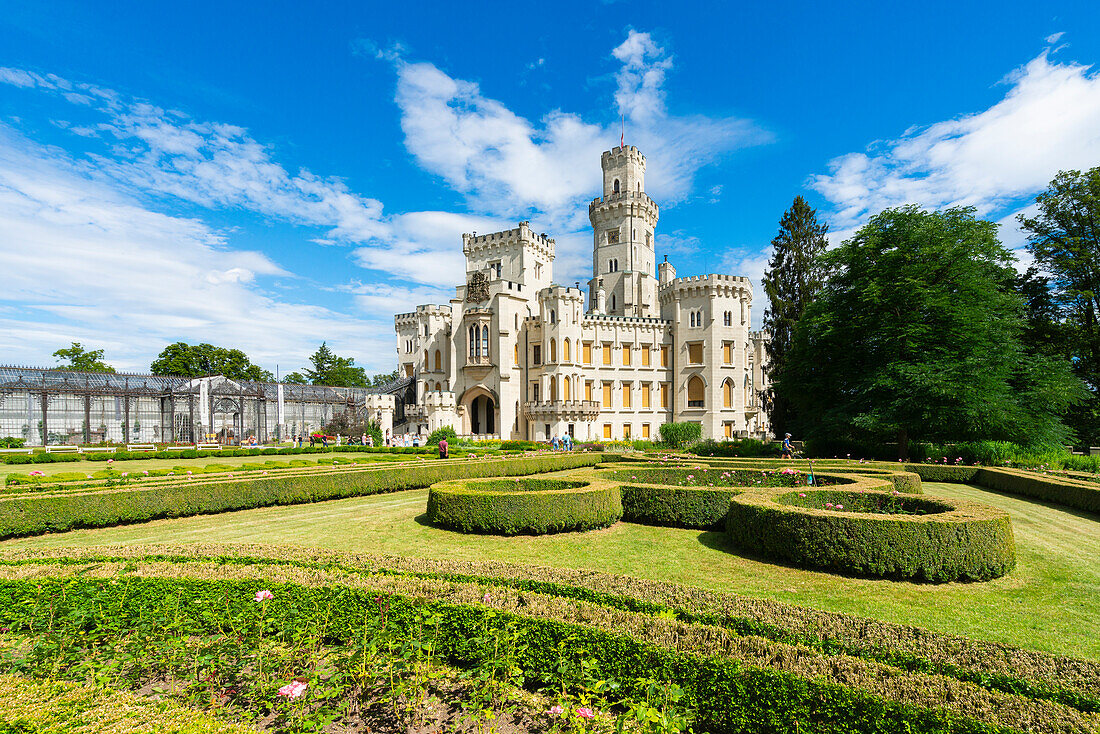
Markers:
{"x": 425, "y": 329}
{"x": 485, "y": 341}
{"x": 696, "y": 392}
{"x": 565, "y": 352}
{"x": 612, "y": 301}
{"x": 553, "y": 316}
{"x": 475, "y": 343}
{"x": 438, "y": 387}
{"x": 553, "y": 389}
{"x": 727, "y": 394}
{"x": 553, "y": 351}
{"x": 425, "y": 361}
{"x": 438, "y": 360}
{"x": 615, "y": 188}
{"x": 515, "y": 355}
{"x": 565, "y": 388}
{"x": 727, "y": 318}
{"x": 691, "y": 319}
{"x": 517, "y": 322}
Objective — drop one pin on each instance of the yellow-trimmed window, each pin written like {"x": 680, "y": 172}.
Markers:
{"x": 607, "y": 395}
{"x": 606, "y": 350}
{"x": 727, "y": 353}
{"x": 645, "y": 395}
{"x": 626, "y": 355}
{"x": 626, "y": 394}
{"x": 664, "y": 356}
{"x": 588, "y": 389}
{"x": 607, "y": 430}
{"x": 664, "y": 394}
{"x": 587, "y": 352}
{"x": 645, "y": 430}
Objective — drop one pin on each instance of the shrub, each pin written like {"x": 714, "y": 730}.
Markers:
{"x": 444, "y": 433}
{"x": 523, "y": 506}
{"x": 9, "y": 442}
{"x": 966, "y": 542}
{"x": 521, "y": 446}
{"x": 679, "y": 435}
{"x": 1079, "y": 494}
{"x": 31, "y": 515}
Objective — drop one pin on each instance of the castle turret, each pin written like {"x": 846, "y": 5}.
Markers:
{"x": 623, "y": 223}
{"x": 666, "y": 272}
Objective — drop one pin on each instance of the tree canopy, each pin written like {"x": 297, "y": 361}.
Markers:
{"x": 199, "y": 360}
{"x": 1064, "y": 238}
{"x": 917, "y": 334}
{"x": 330, "y": 369}
{"x": 82, "y": 360}
{"x": 794, "y": 277}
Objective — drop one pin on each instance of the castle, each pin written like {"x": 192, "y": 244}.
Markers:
{"x": 516, "y": 356}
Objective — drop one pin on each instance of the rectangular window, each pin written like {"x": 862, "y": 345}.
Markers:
{"x": 645, "y": 356}
{"x": 606, "y": 353}
{"x": 695, "y": 353}
{"x": 645, "y": 395}
{"x": 664, "y": 394}
{"x": 607, "y": 395}
{"x": 607, "y": 430}
{"x": 645, "y": 431}
{"x": 727, "y": 430}
{"x": 627, "y": 386}
{"x": 626, "y": 431}
{"x": 588, "y": 352}
{"x": 535, "y": 391}
{"x": 664, "y": 356}
{"x": 626, "y": 355}
{"x": 536, "y": 355}
{"x": 727, "y": 353}
{"x": 588, "y": 390}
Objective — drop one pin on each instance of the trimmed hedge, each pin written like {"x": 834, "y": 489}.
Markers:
{"x": 1076, "y": 493}
{"x": 44, "y": 458}
{"x": 723, "y": 695}
{"x": 523, "y": 506}
{"x": 33, "y": 515}
{"x": 970, "y": 542}
{"x": 679, "y": 507}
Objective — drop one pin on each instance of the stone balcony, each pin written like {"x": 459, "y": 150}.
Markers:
{"x": 566, "y": 410}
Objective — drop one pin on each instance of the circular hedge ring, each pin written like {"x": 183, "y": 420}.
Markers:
{"x": 874, "y": 533}
{"x": 523, "y": 506}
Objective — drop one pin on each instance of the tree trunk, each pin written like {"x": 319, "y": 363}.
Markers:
{"x": 903, "y": 444}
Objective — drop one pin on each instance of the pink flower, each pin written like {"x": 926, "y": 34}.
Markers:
{"x": 485, "y": 599}
{"x": 840, "y": 507}
{"x": 188, "y": 472}
{"x": 110, "y": 461}
{"x": 293, "y": 689}
{"x": 801, "y": 494}
{"x": 125, "y": 473}
{"x": 586, "y": 713}
{"x": 88, "y": 475}
{"x": 263, "y": 472}
{"x": 41, "y": 474}
{"x": 691, "y": 476}
{"x": 828, "y": 504}
{"x": 146, "y": 472}
{"x": 264, "y": 595}
{"x": 556, "y": 711}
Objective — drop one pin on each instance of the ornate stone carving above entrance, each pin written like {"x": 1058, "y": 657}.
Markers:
{"x": 477, "y": 288}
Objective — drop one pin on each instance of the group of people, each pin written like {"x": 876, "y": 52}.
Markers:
{"x": 564, "y": 443}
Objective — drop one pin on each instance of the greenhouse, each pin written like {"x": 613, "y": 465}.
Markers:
{"x": 59, "y": 407}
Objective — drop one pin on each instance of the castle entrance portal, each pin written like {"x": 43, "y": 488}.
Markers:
{"x": 482, "y": 416}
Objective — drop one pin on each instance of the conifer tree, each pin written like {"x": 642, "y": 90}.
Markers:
{"x": 794, "y": 276}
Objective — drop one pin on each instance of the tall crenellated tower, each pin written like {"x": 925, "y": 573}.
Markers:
{"x": 623, "y": 224}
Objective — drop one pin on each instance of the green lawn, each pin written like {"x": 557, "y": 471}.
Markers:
{"x": 1051, "y": 602}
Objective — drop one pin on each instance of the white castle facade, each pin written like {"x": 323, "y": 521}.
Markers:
{"x": 516, "y": 356}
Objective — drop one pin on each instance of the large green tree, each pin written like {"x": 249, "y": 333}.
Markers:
{"x": 793, "y": 278}
{"x": 918, "y": 335}
{"x": 82, "y": 360}
{"x": 330, "y": 369}
{"x": 199, "y": 360}
{"x": 1064, "y": 238}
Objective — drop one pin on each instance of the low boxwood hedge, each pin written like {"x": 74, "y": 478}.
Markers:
{"x": 48, "y": 513}
{"x": 968, "y": 542}
{"x": 723, "y": 694}
{"x": 678, "y": 507}
{"x": 1077, "y": 493}
{"x": 523, "y": 506}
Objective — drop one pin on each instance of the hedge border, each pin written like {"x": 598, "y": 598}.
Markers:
{"x": 724, "y": 695}
{"x": 524, "y": 506}
{"x": 971, "y": 542}
{"x": 34, "y": 515}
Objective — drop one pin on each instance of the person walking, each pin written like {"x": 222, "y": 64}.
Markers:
{"x": 443, "y": 451}
{"x": 788, "y": 450}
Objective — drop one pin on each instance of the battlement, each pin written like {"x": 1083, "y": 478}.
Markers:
{"x": 562, "y": 292}
{"x": 594, "y": 319}
{"x": 621, "y": 154}
{"x": 434, "y": 309}
{"x": 521, "y": 236}
{"x": 613, "y": 201}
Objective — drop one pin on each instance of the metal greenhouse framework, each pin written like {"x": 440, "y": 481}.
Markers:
{"x": 58, "y": 407}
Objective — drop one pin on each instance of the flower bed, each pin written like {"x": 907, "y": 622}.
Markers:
{"x": 954, "y": 541}
{"x": 730, "y": 683}
{"x": 523, "y": 506}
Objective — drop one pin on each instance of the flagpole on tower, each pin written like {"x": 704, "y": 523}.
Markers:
{"x": 622, "y": 137}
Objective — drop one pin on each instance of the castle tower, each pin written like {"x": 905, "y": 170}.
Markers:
{"x": 623, "y": 221}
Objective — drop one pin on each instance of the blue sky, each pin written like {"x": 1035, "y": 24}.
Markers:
{"x": 271, "y": 175}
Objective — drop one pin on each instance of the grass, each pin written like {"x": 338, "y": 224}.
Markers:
{"x": 1048, "y": 603}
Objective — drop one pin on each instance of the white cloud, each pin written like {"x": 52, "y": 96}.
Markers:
{"x": 84, "y": 251}
{"x": 509, "y": 165}
{"x": 1049, "y": 120}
